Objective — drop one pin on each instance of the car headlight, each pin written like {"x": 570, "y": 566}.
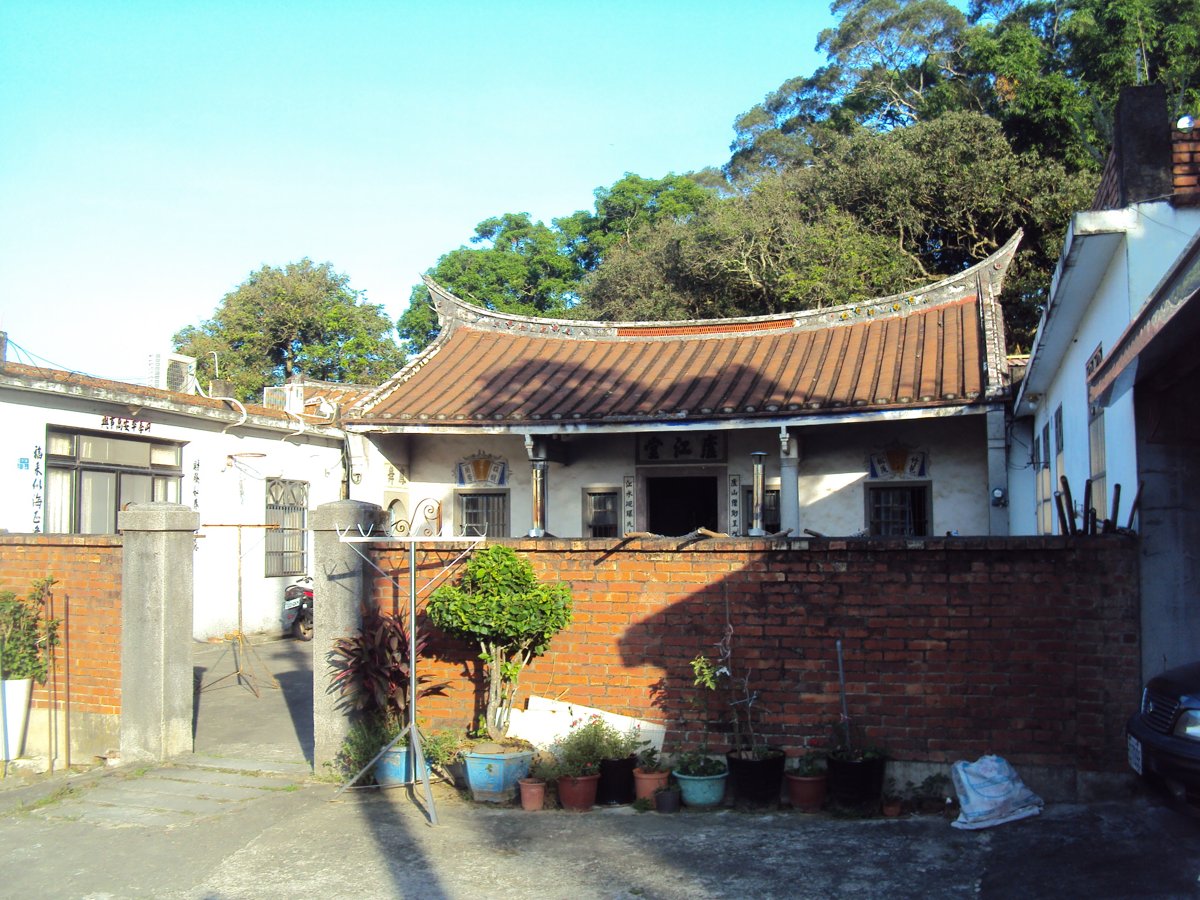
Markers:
{"x": 1188, "y": 724}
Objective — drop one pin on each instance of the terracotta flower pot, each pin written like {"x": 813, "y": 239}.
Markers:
{"x": 578, "y": 792}
{"x": 806, "y": 792}
{"x": 646, "y": 783}
{"x": 533, "y": 793}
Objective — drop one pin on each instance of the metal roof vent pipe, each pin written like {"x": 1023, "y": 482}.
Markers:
{"x": 538, "y": 468}
{"x": 759, "y": 495}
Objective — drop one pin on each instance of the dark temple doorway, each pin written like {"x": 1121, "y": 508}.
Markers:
{"x": 681, "y": 504}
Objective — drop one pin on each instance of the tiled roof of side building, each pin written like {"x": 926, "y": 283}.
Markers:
{"x": 65, "y": 382}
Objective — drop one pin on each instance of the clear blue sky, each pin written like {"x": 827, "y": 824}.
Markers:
{"x": 153, "y": 154}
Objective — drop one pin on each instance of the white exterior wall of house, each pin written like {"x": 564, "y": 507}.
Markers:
{"x": 1149, "y": 238}
{"x": 223, "y": 477}
{"x": 834, "y": 472}
{"x": 232, "y": 492}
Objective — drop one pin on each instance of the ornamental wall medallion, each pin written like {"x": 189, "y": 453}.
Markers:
{"x": 898, "y": 461}
{"x": 481, "y": 470}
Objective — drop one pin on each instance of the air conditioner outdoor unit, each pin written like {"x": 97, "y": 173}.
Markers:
{"x": 288, "y": 397}
{"x": 172, "y": 372}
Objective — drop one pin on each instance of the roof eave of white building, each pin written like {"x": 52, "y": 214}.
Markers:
{"x": 1092, "y": 240}
{"x": 133, "y": 403}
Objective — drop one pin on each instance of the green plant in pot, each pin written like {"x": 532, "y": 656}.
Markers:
{"x": 651, "y": 773}
{"x": 28, "y": 636}
{"x": 577, "y": 756}
{"x": 806, "y": 782}
{"x": 372, "y": 671}
{"x": 499, "y": 605}
{"x": 617, "y": 783}
{"x": 701, "y": 776}
{"x": 855, "y": 768}
{"x": 755, "y": 768}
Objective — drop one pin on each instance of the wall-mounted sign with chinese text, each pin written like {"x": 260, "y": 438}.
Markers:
{"x": 119, "y": 423}
{"x": 689, "y": 447}
{"x": 899, "y": 462}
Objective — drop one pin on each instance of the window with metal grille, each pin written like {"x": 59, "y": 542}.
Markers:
{"x": 1046, "y": 480}
{"x": 482, "y": 513}
{"x": 286, "y": 544}
{"x": 90, "y": 477}
{"x": 770, "y": 514}
{"x": 898, "y": 511}
{"x": 601, "y": 509}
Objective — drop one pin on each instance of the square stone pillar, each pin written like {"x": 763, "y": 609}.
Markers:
{"x": 157, "y": 690}
{"x": 340, "y": 585}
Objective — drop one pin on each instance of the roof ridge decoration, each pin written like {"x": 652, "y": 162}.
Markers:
{"x": 983, "y": 278}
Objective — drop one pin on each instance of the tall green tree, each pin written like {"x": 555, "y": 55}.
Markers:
{"x": 874, "y": 213}
{"x": 518, "y": 266}
{"x": 302, "y": 319}
{"x": 529, "y": 268}
{"x": 889, "y": 63}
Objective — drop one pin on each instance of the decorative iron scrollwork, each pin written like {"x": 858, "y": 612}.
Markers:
{"x": 426, "y": 521}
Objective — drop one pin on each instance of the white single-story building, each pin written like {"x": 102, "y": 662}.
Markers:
{"x": 78, "y": 449}
{"x": 1106, "y": 402}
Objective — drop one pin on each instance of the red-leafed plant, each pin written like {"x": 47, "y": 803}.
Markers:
{"x": 373, "y": 668}
{"x": 373, "y": 671}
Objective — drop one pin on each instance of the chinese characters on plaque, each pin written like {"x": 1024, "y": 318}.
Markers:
{"x": 696, "y": 447}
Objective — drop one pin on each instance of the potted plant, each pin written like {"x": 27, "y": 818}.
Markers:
{"x": 855, "y": 768}
{"x": 372, "y": 671}
{"x": 617, "y": 779}
{"x": 755, "y": 768}
{"x": 577, "y": 762}
{"x": 667, "y": 798}
{"x": 807, "y": 784}
{"x": 28, "y": 636}
{"x": 650, "y": 774}
{"x": 532, "y": 787}
{"x": 701, "y": 778}
{"x": 500, "y": 605}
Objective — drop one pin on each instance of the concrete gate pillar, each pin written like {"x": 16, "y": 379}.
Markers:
{"x": 157, "y": 691}
{"x": 339, "y": 587}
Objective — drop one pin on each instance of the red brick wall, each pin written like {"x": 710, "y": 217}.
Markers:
{"x": 1025, "y": 647}
{"x": 1185, "y": 147}
{"x": 87, "y": 572}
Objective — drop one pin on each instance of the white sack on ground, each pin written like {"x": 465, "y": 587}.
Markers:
{"x": 991, "y": 793}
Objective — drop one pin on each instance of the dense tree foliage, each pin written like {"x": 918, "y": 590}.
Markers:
{"x": 530, "y": 268}
{"x": 873, "y": 214}
{"x": 299, "y": 319}
{"x": 928, "y": 137}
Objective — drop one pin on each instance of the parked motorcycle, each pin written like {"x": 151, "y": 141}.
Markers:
{"x": 298, "y": 609}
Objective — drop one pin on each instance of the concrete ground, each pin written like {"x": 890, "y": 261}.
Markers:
{"x": 243, "y": 818}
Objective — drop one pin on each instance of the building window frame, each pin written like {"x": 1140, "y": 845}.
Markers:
{"x": 286, "y": 543}
{"x": 1097, "y": 455}
{"x": 772, "y": 521}
{"x": 602, "y": 511}
{"x": 482, "y": 513}
{"x": 92, "y": 475}
{"x": 899, "y": 508}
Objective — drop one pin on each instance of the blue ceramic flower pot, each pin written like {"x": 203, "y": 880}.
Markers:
{"x": 493, "y": 777}
{"x": 392, "y": 767}
{"x": 701, "y": 790}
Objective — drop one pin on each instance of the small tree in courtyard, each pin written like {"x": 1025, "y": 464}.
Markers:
{"x": 500, "y": 605}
